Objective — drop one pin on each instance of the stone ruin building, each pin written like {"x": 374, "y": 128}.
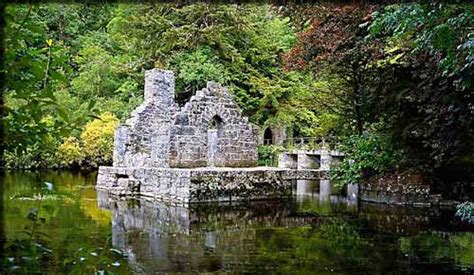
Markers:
{"x": 208, "y": 131}
{"x": 203, "y": 151}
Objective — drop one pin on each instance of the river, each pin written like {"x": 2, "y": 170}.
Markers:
{"x": 55, "y": 222}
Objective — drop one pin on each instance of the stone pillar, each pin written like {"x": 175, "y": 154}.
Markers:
{"x": 159, "y": 93}
{"x": 159, "y": 86}
{"x": 303, "y": 160}
{"x": 326, "y": 159}
{"x": 120, "y": 145}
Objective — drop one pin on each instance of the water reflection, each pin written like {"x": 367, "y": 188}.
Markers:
{"x": 319, "y": 231}
{"x": 326, "y": 193}
{"x": 305, "y": 234}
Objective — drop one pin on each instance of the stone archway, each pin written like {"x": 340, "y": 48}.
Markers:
{"x": 268, "y": 136}
{"x": 214, "y": 131}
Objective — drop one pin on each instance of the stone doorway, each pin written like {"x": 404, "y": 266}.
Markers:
{"x": 268, "y": 136}
{"x": 213, "y": 134}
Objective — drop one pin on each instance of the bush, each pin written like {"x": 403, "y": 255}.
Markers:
{"x": 465, "y": 211}
{"x": 366, "y": 156}
{"x": 98, "y": 139}
{"x": 40, "y": 153}
{"x": 70, "y": 153}
{"x": 268, "y": 155}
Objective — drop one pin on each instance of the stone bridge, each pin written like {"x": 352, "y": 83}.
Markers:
{"x": 321, "y": 159}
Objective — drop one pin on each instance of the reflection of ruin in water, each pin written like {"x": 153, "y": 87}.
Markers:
{"x": 210, "y": 237}
{"x": 161, "y": 237}
{"x": 324, "y": 191}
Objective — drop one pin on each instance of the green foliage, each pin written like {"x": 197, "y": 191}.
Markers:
{"x": 402, "y": 71}
{"x": 39, "y": 152}
{"x": 238, "y": 45}
{"x": 268, "y": 155}
{"x": 366, "y": 156}
{"x": 35, "y": 65}
{"x": 425, "y": 103}
{"x": 38, "y": 67}
{"x": 465, "y": 211}
{"x": 98, "y": 139}
{"x": 196, "y": 68}
{"x": 40, "y": 238}
{"x": 70, "y": 153}
{"x": 440, "y": 29}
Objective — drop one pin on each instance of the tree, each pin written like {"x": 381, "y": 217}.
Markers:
{"x": 404, "y": 70}
{"x": 430, "y": 51}
{"x": 234, "y": 44}
{"x": 35, "y": 65}
{"x": 334, "y": 44}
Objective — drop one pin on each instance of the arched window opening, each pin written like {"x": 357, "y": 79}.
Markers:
{"x": 268, "y": 136}
{"x": 215, "y": 123}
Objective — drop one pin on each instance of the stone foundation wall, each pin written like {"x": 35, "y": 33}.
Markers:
{"x": 202, "y": 185}
{"x": 390, "y": 192}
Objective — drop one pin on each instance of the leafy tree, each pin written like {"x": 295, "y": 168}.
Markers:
{"x": 234, "y": 44}
{"x": 430, "y": 53}
{"x": 402, "y": 70}
{"x": 334, "y": 44}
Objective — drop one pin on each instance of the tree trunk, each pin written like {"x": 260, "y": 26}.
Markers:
{"x": 356, "y": 96}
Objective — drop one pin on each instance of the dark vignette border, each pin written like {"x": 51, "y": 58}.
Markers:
{"x": 3, "y": 4}
{"x": 2, "y": 136}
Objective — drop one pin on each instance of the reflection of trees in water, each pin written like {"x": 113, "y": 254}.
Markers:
{"x": 403, "y": 220}
{"x": 443, "y": 247}
{"x": 51, "y": 227}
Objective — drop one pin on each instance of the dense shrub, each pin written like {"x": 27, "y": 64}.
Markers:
{"x": 39, "y": 153}
{"x": 367, "y": 155}
{"x": 70, "y": 153}
{"x": 268, "y": 155}
{"x": 98, "y": 139}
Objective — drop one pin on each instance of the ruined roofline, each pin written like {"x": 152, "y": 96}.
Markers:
{"x": 160, "y": 88}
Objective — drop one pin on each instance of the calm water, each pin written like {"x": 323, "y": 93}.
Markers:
{"x": 74, "y": 229}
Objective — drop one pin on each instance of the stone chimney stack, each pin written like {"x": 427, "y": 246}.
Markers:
{"x": 159, "y": 86}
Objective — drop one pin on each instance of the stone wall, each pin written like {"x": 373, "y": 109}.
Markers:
{"x": 398, "y": 189}
{"x": 177, "y": 185}
{"x": 236, "y": 137}
{"x": 143, "y": 141}
{"x": 160, "y": 134}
